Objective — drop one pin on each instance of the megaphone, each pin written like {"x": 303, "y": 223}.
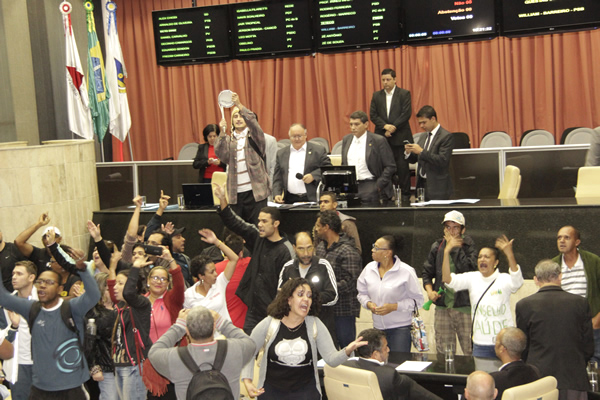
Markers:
{"x": 430, "y": 302}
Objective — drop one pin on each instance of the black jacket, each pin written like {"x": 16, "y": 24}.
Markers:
{"x": 101, "y": 353}
{"x": 201, "y": 161}
{"x": 465, "y": 260}
{"x": 258, "y": 286}
{"x": 514, "y": 374}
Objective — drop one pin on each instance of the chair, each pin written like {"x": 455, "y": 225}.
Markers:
{"x": 537, "y": 137}
{"x": 578, "y": 136}
{"x": 282, "y": 145}
{"x": 337, "y": 148}
{"x": 188, "y": 151}
{"x": 342, "y": 383}
{"x": 542, "y": 389}
{"x": 322, "y": 141}
{"x": 219, "y": 178}
{"x": 566, "y": 133}
{"x": 417, "y": 136}
{"x": 286, "y": 142}
{"x": 588, "y": 182}
{"x": 496, "y": 139}
{"x": 511, "y": 184}
{"x": 461, "y": 140}
{"x": 336, "y": 159}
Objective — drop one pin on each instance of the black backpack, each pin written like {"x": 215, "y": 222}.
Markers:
{"x": 210, "y": 384}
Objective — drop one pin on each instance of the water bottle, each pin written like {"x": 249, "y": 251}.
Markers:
{"x": 91, "y": 328}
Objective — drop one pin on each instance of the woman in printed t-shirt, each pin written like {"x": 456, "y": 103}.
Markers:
{"x": 489, "y": 292}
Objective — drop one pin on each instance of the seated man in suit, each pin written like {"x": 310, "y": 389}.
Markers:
{"x": 433, "y": 154}
{"x": 510, "y": 343}
{"x": 298, "y": 168}
{"x": 374, "y": 356}
{"x": 372, "y": 156}
{"x": 480, "y": 386}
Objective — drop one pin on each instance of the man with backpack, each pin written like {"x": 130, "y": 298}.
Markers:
{"x": 57, "y": 327}
{"x": 217, "y": 364}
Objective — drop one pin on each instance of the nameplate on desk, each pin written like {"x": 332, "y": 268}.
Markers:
{"x": 413, "y": 366}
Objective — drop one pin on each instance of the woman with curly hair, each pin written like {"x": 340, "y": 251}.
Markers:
{"x": 289, "y": 339}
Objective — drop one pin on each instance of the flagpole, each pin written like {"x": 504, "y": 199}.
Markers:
{"x": 130, "y": 148}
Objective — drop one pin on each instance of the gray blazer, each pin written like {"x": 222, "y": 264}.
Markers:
{"x": 316, "y": 157}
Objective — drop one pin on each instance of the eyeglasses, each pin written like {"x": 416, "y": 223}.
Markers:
{"x": 296, "y": 137}
{"x": 378, "y": 248}
{"x": 47, "y": 282}
{"x": 162, "y": 279}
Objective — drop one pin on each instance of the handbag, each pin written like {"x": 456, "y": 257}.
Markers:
{"x": 418, "y": 332}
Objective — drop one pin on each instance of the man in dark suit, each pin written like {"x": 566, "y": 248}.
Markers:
{"x": 390, "y": 112}
{"x": 433, "y": 154}
{"x": 558, "y": 326}
{"x": 298, "y": 168}
{"x": 374, "y": 356}
{"x": 373, "y": 159}
{"x": 510, "y": 344}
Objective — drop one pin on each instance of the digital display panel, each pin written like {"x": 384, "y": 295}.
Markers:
{"x": 356, "y": 23}
{"x": 263, "y": 28}
{"x": 547, "y": 15}
{"x": 448, "y": 19}
{"x": 191, "y": 35}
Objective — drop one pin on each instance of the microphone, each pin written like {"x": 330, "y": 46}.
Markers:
{"x": 299, "y": 176}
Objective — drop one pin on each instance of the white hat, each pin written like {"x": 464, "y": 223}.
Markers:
{"x": 56, "y": 231}
{"x": 454, "y": 216}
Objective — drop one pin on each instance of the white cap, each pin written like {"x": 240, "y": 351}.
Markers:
{"x": 454, "y": 216}
{"x": 56, "y": 231}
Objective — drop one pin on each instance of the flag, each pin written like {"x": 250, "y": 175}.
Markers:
{"x": 78, "y": 108}
{"x": 98, "y": 93}
{"x": 120, "y": 118}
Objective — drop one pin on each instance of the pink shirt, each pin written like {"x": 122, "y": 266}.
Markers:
{"x": 160, "y": 319}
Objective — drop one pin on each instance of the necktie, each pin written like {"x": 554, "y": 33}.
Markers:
{"x": 421, "y": 172}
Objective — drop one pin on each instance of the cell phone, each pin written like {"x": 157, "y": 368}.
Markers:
{"x": 406, "y": 142}
{"x": 153, "y": 250}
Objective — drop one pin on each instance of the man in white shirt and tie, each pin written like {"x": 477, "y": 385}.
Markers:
{"x": 298, "y": 168}
{"x": 373, "y": 158}
{"x": 433, "y": 154}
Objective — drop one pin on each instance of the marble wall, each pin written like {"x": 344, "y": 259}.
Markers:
{"x": 58, "y": 177}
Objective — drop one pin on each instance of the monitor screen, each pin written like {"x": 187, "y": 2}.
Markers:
{"x": 523, "y": 16}
{"x": 191, "y": 35}
{"x": 271, "y": 28}
{"x": 340, "y": 179}
{"x": 356, "y": 23}
{"x": 448, "y": 19}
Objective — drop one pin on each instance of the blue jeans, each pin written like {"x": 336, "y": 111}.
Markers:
{"x": 399, "y": 338}
{"x": 129, "y": 383}
{"x": 22, "y": 387}
{"x": 596, "y": 355}
{"x": 484, "y": 351}
{"x": 108, "y": 389}
{"x": 345, "y": 329}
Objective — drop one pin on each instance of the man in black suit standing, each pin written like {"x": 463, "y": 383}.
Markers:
{"x": 432, "y": 152}
{"x": 390, "y": 112}
{"x": 373, "y": 159}
{"x": 374, "y": 357}
{"x": 298, "y": 168}
{"x": 558, "y": 326}
{"x": 510, "y": 344}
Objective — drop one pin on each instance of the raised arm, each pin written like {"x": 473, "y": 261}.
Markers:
{"x": 155, "y": 222}
{"x": 209, "y": 236}
{"x": 103, "y": 251}
{"x": 506, "y": 246}
{"x": 21, "y": 241}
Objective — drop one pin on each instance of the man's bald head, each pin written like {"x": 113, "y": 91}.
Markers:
{"x": 480, "y": 386}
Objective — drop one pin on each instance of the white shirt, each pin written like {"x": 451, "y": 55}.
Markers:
{"x": 243, "y": 178}
{"x": 574, "y": 279}
{"x": 296, "y": 165}
{"x": 214, "y": 299}
{"x": 357, "y": 156}
{"x": 388, "y": 100}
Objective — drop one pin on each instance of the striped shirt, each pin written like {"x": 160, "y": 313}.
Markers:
{"x": 243, "y": 178}
{"x": 574, "y": 279}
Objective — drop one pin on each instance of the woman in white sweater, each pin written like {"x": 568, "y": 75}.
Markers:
{"x": 489, "y": 291}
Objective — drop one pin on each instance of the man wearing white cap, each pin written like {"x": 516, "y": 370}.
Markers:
{"x": 453, "y": 309}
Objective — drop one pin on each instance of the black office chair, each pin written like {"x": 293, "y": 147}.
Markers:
{"x": 461, "y": 140}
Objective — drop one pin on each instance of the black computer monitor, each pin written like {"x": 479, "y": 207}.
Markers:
{"x": 340, "y": 179}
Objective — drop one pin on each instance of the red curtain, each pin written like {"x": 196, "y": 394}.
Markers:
{"x": 542, "y": 82}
